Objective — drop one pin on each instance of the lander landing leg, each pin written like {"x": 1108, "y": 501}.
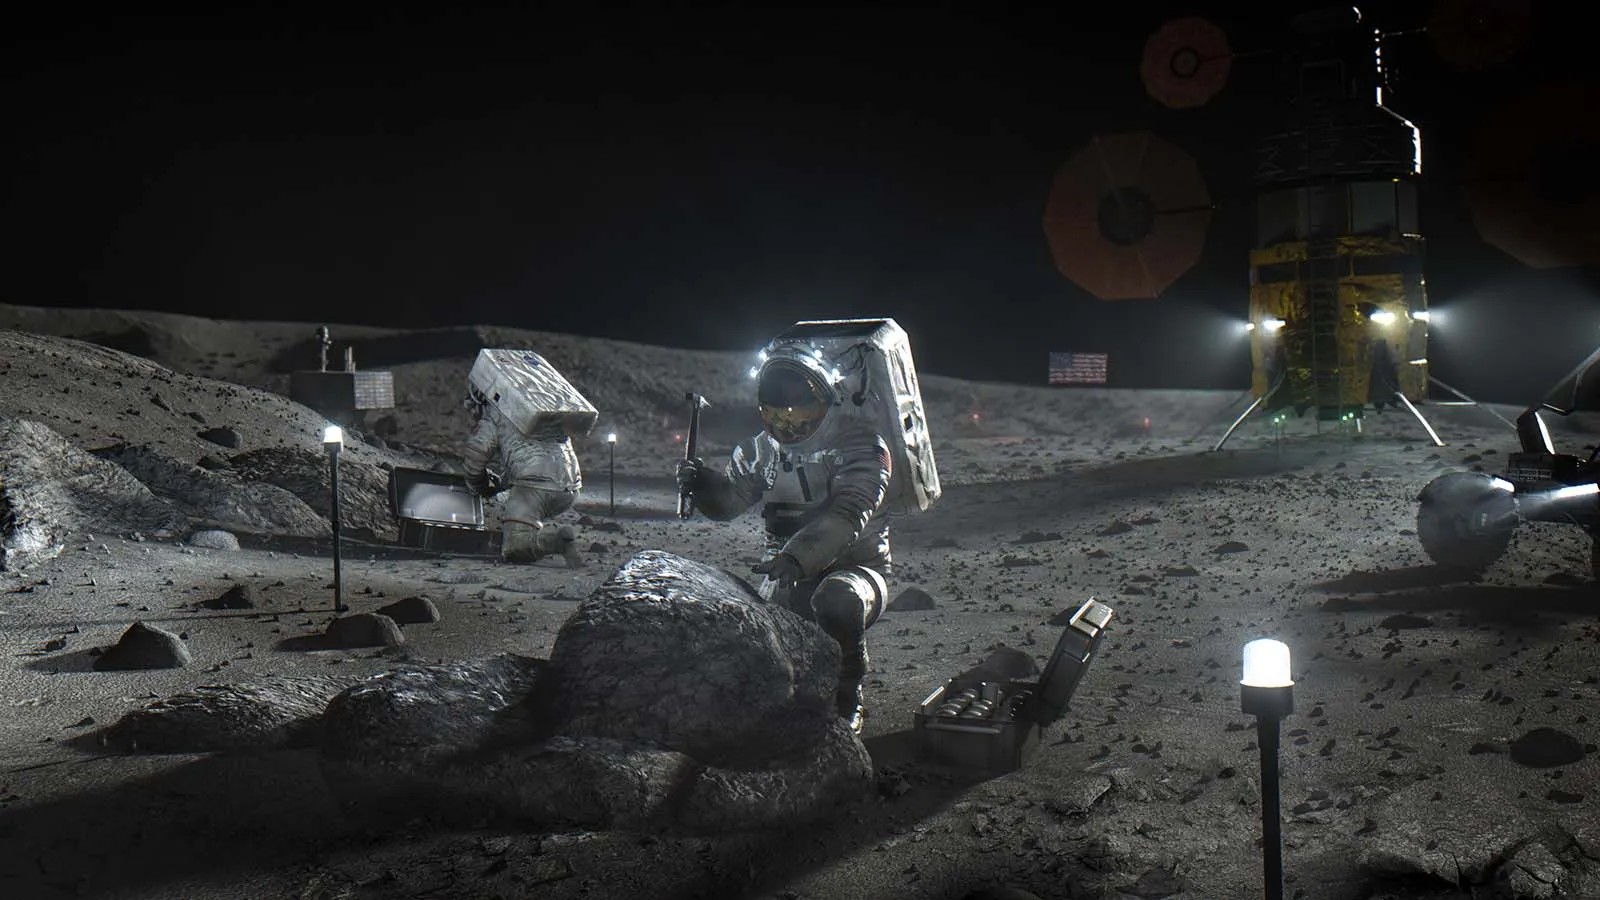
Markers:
{"x": 1246, "y": 414}
{"x": 1425, "y": 426}
{"x": 1239, "y": 421}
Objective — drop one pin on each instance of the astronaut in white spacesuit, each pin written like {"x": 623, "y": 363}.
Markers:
{"x": 540, "y": 473}
{"x": 823, "y": 476}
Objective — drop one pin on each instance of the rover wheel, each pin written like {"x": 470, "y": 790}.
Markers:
{"x": 1464, "y": 521}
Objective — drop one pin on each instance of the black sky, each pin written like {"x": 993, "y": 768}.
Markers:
{"x": 697, "y": 176}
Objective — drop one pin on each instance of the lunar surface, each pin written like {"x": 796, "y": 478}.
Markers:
{"x": 155, "y": 472}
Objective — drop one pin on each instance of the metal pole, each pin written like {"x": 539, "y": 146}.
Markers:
{"x": 613, "y": 479}
{"x": 338, "y": 584}
{"x": 1271, "y": 815}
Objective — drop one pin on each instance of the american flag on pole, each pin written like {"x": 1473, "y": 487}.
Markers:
{"x": 1077, "y": 368}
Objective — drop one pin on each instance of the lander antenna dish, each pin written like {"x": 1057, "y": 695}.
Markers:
{"x": 1127, "y": 216}
{"x": 1185, "y": 63}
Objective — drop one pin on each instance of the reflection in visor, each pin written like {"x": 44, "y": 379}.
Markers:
{"x": 792, "y": 401}
{"x": 791, "y": 424}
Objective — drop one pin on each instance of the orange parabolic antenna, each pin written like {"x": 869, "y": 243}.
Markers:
{"x": 1185, "y": 62}
{"x": 1531, "y": 182}
{"x": 1476, "y": 34}
{"x": 1127, "y": 215}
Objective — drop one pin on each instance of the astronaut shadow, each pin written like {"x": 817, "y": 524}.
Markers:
{"x": 1506, "y": 607}
{"x": 1410, "y": 578}
{"x": 218, "y": 818}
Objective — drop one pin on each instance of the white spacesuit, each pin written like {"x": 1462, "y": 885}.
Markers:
{"x": 825, "y": 465}
{"x": 540, "y": 472}
{"x": 526, "y": 415}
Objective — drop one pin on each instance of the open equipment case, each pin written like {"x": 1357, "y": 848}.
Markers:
{"x": 437, "y": 511}
{"x": 994, "y": 726}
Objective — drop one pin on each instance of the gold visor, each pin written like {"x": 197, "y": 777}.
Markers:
{"x": 791, "y": 424}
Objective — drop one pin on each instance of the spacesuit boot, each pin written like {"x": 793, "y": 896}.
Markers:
{"x": 554, "y": 540}
{"x": 849, "y": 699}
{"x": 569, "y": 547}
{"x": 518, "y": 542}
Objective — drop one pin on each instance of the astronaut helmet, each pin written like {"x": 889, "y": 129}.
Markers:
{"x": 793, "y": 399}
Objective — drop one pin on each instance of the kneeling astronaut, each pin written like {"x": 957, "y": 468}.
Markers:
{"x": 526, "y": 415}
{"x": 844, "y": 445}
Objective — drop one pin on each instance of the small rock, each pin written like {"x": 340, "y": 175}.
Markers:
{"x": 240, "y": 596}
{"x": 1230, "y": 547}
{"x": 214, "y": 539}
{"x": 911, "y": 599}
{"x": 364, "y": 630}
{"x": 144, "y": 647}
{"x": 411, "y": 611}
{"x": 1544, "y": 748}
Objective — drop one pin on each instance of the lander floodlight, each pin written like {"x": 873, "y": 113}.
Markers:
{"x": 1422, "y": 315}
{"x": 1381, "y": 317}
{"x": 1267, "y": 692}
{"x": 333, "y": 443}
{"x": 611, "y": 441}
{"x": 1272, "y": 324}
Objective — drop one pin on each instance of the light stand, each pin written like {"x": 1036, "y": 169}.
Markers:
{"x": 1267, "y": 692}
{"x": 611, "y": 439}
{"x": 333, "y": 442}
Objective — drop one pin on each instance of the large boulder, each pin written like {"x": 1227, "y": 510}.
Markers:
{"x": 50, "y": 489}
{"x": 221, "y": 498}
{"x": 676, "y": 653}
{"x": 277, "y": 713}
{"x": 674, "y": 699}
{"x": 305, "y": 473}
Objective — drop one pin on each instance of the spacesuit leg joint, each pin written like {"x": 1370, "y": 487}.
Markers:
{"x": 846, "y": 603}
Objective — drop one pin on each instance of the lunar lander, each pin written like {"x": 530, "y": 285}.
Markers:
{"x": 1338, "y": 311}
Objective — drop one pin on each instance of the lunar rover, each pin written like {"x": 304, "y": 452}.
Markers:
{"x": 1465, "y": 519}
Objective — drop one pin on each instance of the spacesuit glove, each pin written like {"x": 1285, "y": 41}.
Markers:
{"x": 689, "y": 473}
{"x": 783, "y": 569}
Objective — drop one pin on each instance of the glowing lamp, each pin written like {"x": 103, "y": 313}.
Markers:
{"x": 1382, "y": 317}
{"x": 611, "y": 438}
{"x": 1266, "y": 664}
{"x": 333, "y": 437}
